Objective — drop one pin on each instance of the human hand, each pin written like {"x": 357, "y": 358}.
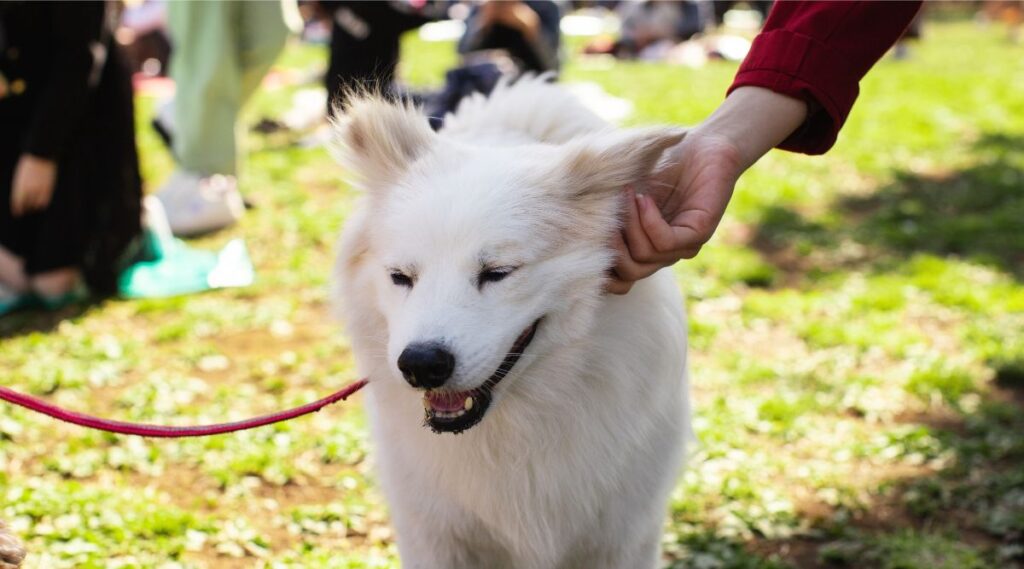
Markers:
{"x": 678, "y": 211}
{"x": 32, "y": 187}
{"x": 680, "y": 207}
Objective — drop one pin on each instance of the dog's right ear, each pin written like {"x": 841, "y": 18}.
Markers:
{"x": 606, "y": 162}
{"x": 377, "y": 140}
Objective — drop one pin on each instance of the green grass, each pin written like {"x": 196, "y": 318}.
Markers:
{"x": 857, "y": 352}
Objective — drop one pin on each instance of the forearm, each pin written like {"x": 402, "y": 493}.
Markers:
{"x": 754, "y": 120}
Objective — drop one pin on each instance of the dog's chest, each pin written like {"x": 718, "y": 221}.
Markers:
{"x": 510, "y": 486}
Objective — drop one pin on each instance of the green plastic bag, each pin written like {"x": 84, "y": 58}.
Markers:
{"x": 173, "y": 268}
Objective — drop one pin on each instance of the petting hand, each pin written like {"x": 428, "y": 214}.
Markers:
{"x": 679, "y": 210}
{"x": 680, "y": 207}
{"x": 32, "y": 187}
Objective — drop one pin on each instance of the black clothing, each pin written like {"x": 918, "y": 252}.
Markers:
{"x": 365, "y": 44}
{"x": 70, "y": 100}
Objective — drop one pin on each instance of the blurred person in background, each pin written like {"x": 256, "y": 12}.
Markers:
{"x": 502, "y": 39}
{"x": 220, "y": 53}
{"x": 365, "y": 43}
{"x": 143, "y": 37}
{"x": 655, "y": 25}
{"x": 1010, "y": 12}
{"x": 720, "y": 7}
{"x": 913, "y": 33}
{"x": 70, "y": 189}
{"x": 527, "y": 31}
{"x": 365, "y": 47}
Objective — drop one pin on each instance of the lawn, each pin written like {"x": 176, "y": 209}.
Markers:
{"x": 857, "y": 347}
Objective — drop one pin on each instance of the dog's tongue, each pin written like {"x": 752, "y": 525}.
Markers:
{"x": 446, "y": 401}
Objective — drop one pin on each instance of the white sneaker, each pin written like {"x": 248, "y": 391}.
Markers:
{"x": 195, "y": 205}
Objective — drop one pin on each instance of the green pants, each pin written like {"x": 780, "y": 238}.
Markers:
{"x": 222, "y": 49}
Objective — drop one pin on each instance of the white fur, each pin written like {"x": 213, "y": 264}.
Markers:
{"x": 572, "y": 465}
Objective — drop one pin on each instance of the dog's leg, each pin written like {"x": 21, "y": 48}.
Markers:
{"x": 642, "y": 554}
{"x": 612, "y": 553}
{"x": 11, "y": 551}
{"x": 428, "y": 549}
{"x": 428, "y": 537}
{"x": 432, "y": 535}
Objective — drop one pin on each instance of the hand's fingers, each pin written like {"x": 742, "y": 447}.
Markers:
{"x": 628, "y": 269}
{"x": 615, "y": 286}
{"x": 640, "y": 247}
{"x": 664, "y": 251}
{"x": 681, "y": 239}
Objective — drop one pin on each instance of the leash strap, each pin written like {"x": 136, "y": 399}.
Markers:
{"x": 171, "y": 432}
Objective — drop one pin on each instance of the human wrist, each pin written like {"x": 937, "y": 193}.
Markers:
{"x": 754, "y": 120}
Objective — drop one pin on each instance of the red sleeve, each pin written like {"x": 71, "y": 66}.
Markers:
{"x": 818, "y": 52}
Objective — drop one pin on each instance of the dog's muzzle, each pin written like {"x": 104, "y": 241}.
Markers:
{"x": 456, "y": 411}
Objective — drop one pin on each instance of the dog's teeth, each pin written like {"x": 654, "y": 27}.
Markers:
{"x": 468, "y": 405}
{"x": 426, "y": 404}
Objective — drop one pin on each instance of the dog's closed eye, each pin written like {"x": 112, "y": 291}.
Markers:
{"x": 401, "y": 279}
{"x": 493, "y": 275}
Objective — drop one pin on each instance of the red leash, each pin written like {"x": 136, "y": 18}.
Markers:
{"x": 168, "y": 432}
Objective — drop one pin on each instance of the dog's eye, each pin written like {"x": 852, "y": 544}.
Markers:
{"x": 493, "y": 275}
{"x": 401, "y": 279}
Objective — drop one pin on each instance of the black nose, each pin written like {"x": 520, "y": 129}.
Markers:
{"x": 426, "y": 364}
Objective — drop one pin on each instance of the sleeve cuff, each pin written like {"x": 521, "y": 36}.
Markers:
{"x": 801, "y": 67}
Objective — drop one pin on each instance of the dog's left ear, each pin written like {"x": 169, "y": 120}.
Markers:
{"x": 607, "y": 162}
{"x": 378, "y": 139}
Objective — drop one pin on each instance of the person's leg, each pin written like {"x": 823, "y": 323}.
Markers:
{"x": 12, "y": 271}
{"x": 12, "y": 235}
{"x": 261, "y": 38}
{"x": 56, "y": 284}
{"x": 364, "y": 50}
{"x": 52, "y": 262}
{"x": 207, "y": 72}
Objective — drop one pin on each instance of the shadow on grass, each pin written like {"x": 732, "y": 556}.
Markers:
{"x": 31, "y": 321}
{"x": 967, "y": 513}
{"x": 975, "y": 213}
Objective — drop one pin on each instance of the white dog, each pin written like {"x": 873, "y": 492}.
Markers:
{"x": 471, "y": 281}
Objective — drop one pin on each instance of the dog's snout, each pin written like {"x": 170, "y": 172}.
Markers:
{"x": 426, "y": 364}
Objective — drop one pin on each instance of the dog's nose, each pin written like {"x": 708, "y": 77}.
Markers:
{"x": 426, "y": 364}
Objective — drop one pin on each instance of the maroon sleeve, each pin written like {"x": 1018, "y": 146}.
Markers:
{"x": 818, "y": 52}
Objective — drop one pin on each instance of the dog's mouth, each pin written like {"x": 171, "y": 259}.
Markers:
{"x": 456, "y": 411}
